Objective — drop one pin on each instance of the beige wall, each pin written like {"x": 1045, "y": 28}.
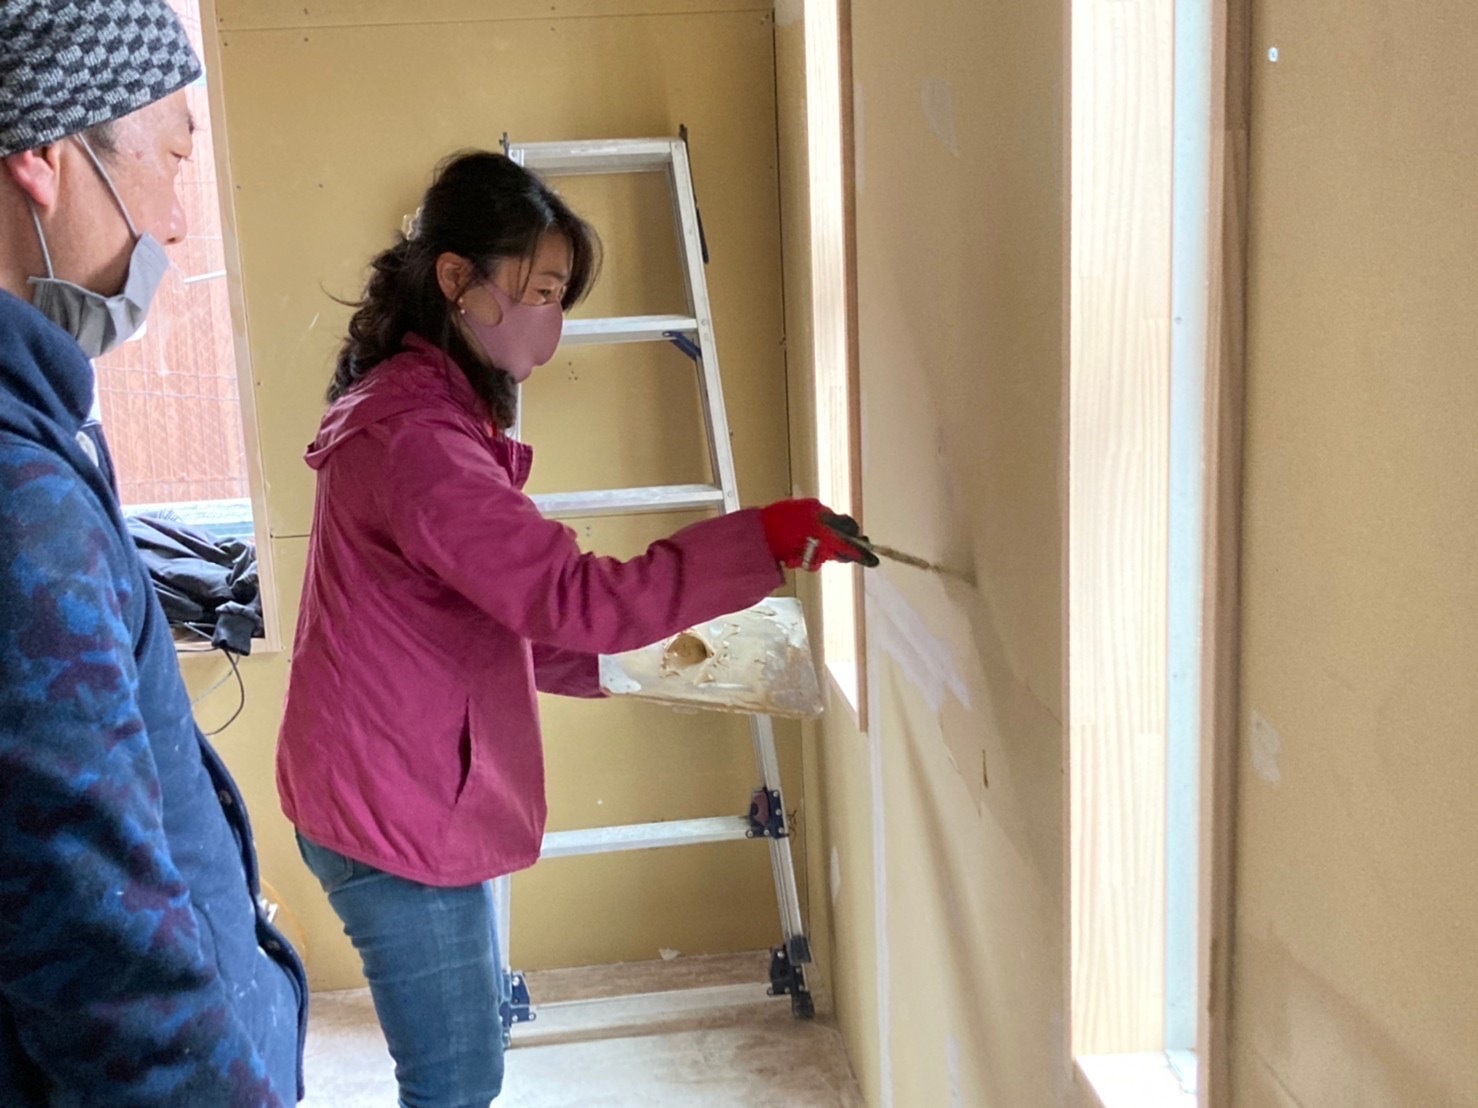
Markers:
{"x": 335, "y": 114}
{"x": 1356, "y": 893}
{"x": 1355, "y": 978}
{"x": 961, "y": 250}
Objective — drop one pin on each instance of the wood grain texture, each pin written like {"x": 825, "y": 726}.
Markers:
{"x": 1231, "y": 59}
{"x": 1119, "y": 441}
{"x": 854, "y": 407}
{"x": 833, "y": 321}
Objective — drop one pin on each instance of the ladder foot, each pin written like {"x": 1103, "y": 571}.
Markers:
{"x": 788, "y": 978}
{"x": 518, "y": 1008}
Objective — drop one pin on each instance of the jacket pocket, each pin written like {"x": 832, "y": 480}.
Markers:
{"x": 465, "y": 757}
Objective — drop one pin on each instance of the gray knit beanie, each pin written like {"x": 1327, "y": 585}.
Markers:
{"x": 67, "y": 65}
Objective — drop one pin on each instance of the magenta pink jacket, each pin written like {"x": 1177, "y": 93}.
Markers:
{"x": 437, "y": 599}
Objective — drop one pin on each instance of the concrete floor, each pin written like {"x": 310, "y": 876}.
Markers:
{"x": 695, "y": 1032}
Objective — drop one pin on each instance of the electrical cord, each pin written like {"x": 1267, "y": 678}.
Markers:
{"x": 241, "y": 698}
{"x": 235, "y": 672}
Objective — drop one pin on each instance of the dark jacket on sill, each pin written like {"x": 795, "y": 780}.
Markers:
{"x": 136, "y": 967}
{"x": 204, "y": 583}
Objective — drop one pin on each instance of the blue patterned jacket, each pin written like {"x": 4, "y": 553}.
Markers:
{"x": 136, "y": 967}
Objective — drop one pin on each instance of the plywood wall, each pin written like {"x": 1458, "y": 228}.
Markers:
{"x": 1354, "y": 970}
{"x": 948, "y": 936}
{"x": 335, "y": 114}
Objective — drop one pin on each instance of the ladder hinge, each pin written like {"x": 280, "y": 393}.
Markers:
{"x": 518, "y": 1008}
{"x": 683, "y": 343}
{"x": 767, "y": 815}
{"x": 788, "y": 976}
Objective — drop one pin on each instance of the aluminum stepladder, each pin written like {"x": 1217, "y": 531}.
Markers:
{"x": 692, "y": 334}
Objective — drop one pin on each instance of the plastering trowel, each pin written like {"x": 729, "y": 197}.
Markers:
{"x": 847, "y": 527}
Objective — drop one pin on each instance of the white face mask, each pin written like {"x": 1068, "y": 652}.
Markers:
{"x": 99, "y": 323}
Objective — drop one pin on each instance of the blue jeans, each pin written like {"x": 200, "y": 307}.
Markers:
{"x": 431, "y": 958}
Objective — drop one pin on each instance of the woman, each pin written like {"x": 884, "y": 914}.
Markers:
{"x": 438, "y": 600}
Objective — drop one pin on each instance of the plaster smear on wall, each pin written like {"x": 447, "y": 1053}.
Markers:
{"x": 1267, "y": 750}
{"x": 939, "y": 112}
{"x": 904, "y": 636}
{"x": 926, "y": 661}
{"x": 1316, "y": 1045}
{"x": 952, "y": 1064}
{"x": 789, "y": 12}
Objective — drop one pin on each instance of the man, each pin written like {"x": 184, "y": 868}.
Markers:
{"x": 135, "y": 964}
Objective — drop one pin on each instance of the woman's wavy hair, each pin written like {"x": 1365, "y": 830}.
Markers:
{"x": 486, "y": 208}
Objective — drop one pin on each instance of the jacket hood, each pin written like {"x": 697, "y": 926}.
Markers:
{"x": 419, "y": 376}
{"x": 46, "y": 380}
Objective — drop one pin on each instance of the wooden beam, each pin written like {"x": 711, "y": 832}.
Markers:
{"x": 1226, "y": 367}
{"x": 1119, "y": 409}
{"x": 854, "y": 342}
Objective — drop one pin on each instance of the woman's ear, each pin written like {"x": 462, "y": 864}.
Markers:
{"x": 453, "y": 274}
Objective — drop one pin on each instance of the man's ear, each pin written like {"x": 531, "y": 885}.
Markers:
{"x": 37, "y": 173}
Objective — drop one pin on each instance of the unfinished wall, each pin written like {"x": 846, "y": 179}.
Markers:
{"x": 1356, "y": 891}
{"x": 335, "y": 114}
{"x": 947, "y": 892}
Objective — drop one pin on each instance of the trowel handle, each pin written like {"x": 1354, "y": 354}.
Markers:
{"x": 850, "y": 532}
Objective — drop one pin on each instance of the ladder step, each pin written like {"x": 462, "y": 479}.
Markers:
{"x": 631, "y": 328}
{"x": 603, "y": 156}
{"x": 624, "y": 502}
{"x": 645, "y": 836}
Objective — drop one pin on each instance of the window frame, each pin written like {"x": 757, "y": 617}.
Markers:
{"x": 840, "y": 587}
{"x": 1119, "y": 1080}
{"x": 272, "y": 641}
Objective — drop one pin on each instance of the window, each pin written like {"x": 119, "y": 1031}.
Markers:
{"x": 1139, "y": 511}
{"x": 173, "y": 400}
{"x": 169, "y": 399}
{"x": 834, "y": 355}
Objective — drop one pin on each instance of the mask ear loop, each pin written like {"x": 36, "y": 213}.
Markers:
{"x": 108, "y": 181}
{"x": 103, "y": 173}
{"x": 41, "y": 236}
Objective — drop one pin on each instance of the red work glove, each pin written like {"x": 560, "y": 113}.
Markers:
{"x": 799, "y": 539}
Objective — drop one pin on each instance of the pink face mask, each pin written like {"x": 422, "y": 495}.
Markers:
{"x": 526, "y": 336}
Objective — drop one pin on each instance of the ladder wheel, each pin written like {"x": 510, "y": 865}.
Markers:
{"x": 802, "y": 1007}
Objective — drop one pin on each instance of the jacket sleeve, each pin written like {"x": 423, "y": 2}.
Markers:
{"x": 101, "y": 962}
{"x": 453, "y": 511}
{"x": 566, "y": 672}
